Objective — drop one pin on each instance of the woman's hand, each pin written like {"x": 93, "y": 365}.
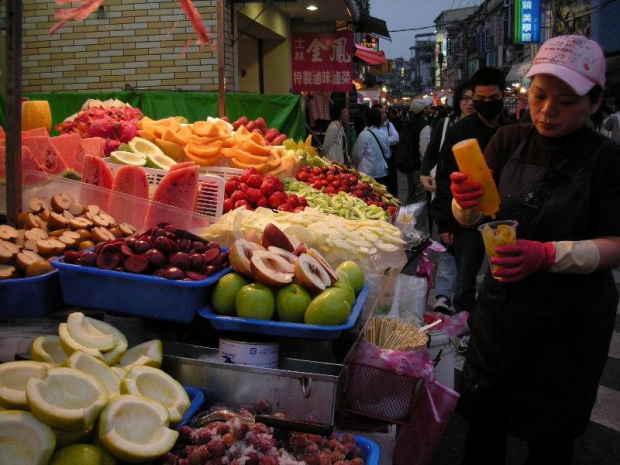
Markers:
{"x": 428, "y": 182}
{"x": 465, "y": 193}
{"x": 522, "y": 259}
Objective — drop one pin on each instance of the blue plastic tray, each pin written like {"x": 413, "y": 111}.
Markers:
{"x": 371, "y": 452}
{"x": 281, "y": 328}
{"x": 196, "y": 398}
{"x": 30, "y": 297}
{"x": 133, "y": 294}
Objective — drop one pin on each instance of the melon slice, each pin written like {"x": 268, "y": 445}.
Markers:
{"x": 45, "y": 153}
{"x": 32, "y": 171}
{"x": 182, "y": 165}
{"x": 131, "y": 180}
{"x": 69, "y": 146}
{"x": 98, "y": 173}
{"x": 94, "y": 146}
{"x": 178, "y": 188}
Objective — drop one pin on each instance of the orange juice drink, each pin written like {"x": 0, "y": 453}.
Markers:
{"x": 471, "y": 161}
{"x": 497, "y": 233}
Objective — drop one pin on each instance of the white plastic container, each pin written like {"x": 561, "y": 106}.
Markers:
{"x": 257, "y": 354}
{"x": 441, "y": 346}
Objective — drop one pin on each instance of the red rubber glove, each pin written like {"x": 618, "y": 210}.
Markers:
{"x": 522, "y": 259}
{"x": 465, "y": 193}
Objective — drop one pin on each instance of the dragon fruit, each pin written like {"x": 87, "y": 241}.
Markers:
{"x": 116, "y": 125}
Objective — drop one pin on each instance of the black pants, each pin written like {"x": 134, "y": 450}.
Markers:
{"x": 487, "y": 444}
{"x": 392, "y": 177}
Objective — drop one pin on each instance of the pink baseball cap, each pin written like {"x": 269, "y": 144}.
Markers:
{"x": 576, "y": 60}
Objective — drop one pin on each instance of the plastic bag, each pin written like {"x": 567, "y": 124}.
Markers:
{"x": 409, "y": 300}
{"x": 416, "y": 442}
{"x": 416, "y": 364}
{"x": 454, "y": 325}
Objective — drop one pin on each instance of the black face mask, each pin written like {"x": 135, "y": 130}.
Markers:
{"x": 489, "y": 110}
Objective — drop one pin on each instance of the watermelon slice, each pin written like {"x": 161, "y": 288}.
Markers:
{"x": 181, "y": 165}
{"x": 94, "y": 146}
{"x": 2, "y": 134}
{"x": 32, "y": 171}
{"x": 131, "y": 180}
{"x": 97, "y": 173}
{"x": 45, "y": 153}
{"x": 69, "y": 146}
{"x": 41, "y": 132}
{"x": 178, "y": 188}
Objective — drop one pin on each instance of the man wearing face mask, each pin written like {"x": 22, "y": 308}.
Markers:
{"x": 487, "y": 85}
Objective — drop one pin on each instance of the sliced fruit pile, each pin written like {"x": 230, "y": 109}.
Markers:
{"x": 338, "y": 178}
{"x": 243, "y": 440}
{"x": 86, "y": 379}
{"x": 214, "y": 142}
{"x": 341, "y": 204}
{"x": 116, "y": 124}
{"x": 252, "y": 190}
{"x": 163, "y": 250}
{"x": 291, "y": 282}
{"x": 259, "y": 125}
{"x": 50, "y": 228}
{"x": 376, "y": 245}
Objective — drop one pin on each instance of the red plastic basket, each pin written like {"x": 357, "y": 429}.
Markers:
{"x": 380, "y": 394}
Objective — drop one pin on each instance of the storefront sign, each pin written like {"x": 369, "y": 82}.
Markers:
{"x": 527, "y": 21}
{"x": 322, "y": 62}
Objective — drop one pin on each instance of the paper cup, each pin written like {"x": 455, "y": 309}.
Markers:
{"x": 497, "y": 233}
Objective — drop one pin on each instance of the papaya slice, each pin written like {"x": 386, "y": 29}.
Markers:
{"x": 147, "y": 134}
{"x": 145, "y": 122}
{"x": 203, "y": 139}
{"x": 256, "y": 137}
{"x": 248, "y": 158}
{"x": 205, "y": 129}
{"x": 254, "y": 148}
{"x": 173, "y": 150}
{"x": 223, "y": 125}
{"x": 229, "y": 141}
{"x": 262, "y": 168}
{"x": 228, "y": 152}
{"x": 180, "y": 137}
{"x": 242, "y": 131}
{"x": 203, "y": 150}
{"x": 202, "y": 161}
{"x": 273, "y": 160}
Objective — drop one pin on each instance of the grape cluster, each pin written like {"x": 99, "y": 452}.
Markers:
{"x": 162, "y": 250}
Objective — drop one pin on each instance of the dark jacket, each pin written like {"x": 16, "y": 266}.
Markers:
{"x": 470, "y": 127}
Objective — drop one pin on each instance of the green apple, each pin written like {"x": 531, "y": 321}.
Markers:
{"x": 255, "y": 301}
{"x": 329, "y": 308}
{"x": 225, "y": 293}
{"x": 82, "y": 454}
{"x": 291, "y": 303}
{"x": 345, "y": 285}
{"x": 353, "y": 272}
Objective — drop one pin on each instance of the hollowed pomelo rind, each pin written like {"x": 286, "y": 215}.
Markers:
{"x": 25, "y": 439}
{"x": 70, "y": 345}
{"x": 149, "y": 353}
{"x": 159, "y": 386}
{"x": 48, "y": 349}
{"x": 98, "y": 368}
{"x": 66, "y": 399}
{"x": 112, "y": 357}
{"x": 84, "y": 332}
{"x": 13, "y": 379}
{"x": 135, "y": 429}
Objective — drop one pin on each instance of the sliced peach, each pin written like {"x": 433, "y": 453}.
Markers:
{"x": 256, "y": 137}
{"x": 262, "y": 168}
{"x": 147, "y": 134}
{"x": 254, "y": 148}
{"x": 180, "y": 137}
{"x": 202, "y": 161}
{"x": 205, "y": 129}
{"x": 242, "y": 131}
{"x": 203, "y": 150}
{"x": 248, "y": 158}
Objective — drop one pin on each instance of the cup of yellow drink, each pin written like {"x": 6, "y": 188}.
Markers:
{"x": 497, "y": 233}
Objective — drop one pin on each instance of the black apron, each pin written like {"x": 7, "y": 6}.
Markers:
{"x": 538, "y": 347}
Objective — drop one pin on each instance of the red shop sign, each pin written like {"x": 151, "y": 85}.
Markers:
{"x": 322, "y": 62}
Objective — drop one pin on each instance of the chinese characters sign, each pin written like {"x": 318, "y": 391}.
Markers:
{"x": 527, "y": 21}
{"x": 322, "y": 62}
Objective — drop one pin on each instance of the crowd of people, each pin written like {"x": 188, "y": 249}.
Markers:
{"x": 541, "y": 322}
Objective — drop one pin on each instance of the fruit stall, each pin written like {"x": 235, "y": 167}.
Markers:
{"x": 180, "y": 288}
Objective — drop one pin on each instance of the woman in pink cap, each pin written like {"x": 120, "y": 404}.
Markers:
{"x": 540, "y": 336}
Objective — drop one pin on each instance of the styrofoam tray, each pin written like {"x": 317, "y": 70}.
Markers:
{"x": 281, "y": 328}
{"x": 210, "y": 188}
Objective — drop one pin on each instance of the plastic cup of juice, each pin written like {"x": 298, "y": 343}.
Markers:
{"x": 497, "y": 233}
